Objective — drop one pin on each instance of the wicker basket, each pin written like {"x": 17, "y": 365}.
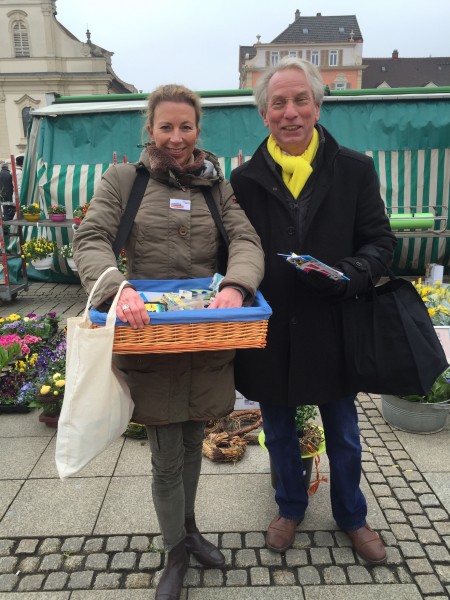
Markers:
{"x": 191, "y": 337}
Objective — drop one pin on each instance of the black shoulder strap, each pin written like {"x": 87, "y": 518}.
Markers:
{"x": 215, "y": 214}
{"x": 134, "y": 201}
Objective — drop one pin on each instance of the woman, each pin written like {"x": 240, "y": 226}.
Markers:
{"x": 174, "y": 394}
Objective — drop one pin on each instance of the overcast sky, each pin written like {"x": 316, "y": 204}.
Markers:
{"x": 197, "y": 43}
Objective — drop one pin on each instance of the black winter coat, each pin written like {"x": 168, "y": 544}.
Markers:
{"x": 338, "y": 215}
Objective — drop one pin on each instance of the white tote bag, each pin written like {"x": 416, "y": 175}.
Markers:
{"x": 97, "y": 405}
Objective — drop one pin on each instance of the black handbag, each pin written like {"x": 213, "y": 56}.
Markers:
{"x": 390, "y": 345}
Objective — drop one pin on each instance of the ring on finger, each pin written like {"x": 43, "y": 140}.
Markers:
{"x": 125, "y": 307}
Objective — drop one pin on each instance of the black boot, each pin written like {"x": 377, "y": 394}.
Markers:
{"x": 205, "y": 552}
{"x": 169, "y": 586}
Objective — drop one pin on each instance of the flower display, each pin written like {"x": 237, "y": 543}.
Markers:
{"x": 80, "y": 211}
{"x": 440, "y": 391}
{"x": 41, "y": 326}
{"x": 437, "y": 300}
{"x": 66, "y": 251}
{"x": 31, "y": 209}
{"x": 38, "y": 248}
{"x": 56, "y": 209}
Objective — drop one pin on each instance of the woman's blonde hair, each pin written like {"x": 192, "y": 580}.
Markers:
{"x": 172, "y": 92}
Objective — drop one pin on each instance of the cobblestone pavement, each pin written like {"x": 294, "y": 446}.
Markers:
{"x": 417, "y": 539}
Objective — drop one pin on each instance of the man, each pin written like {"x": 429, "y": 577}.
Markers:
{"x": 305, "y": 193}
{"x": 19, "y": 174}
{"x": 6, "y": 184}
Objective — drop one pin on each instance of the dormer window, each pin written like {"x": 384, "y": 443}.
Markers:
{"x": 20, "y": 38}
{"x": 305, "y": 30}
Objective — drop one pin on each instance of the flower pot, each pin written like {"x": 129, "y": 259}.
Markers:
{"x": 32, "y": 218}
{"x": 41, "y": 264}
{"x": 414, "y": 417}
{"x": 71, "y": 264}
{"x": 77, "y": 220}
{"x": 50, "y": 421}
{"x": 58, "y": 217}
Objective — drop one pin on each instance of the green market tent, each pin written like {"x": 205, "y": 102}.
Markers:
{"x": 407, "y": 132}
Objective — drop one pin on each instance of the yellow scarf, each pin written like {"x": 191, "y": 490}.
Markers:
{"x": 295, "y": 169}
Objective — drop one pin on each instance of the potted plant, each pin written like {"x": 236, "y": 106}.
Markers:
{"x": 66, "y": 252}
{"x": 31, "y": 212}
{"x": 40, "y": 251}
{"x": 419, "y": 414}
{"x": 57, "y": 212}
{"x": 312, "y": 444}
{"x": 80, "y": 212}
{"x": 50, "y": 398}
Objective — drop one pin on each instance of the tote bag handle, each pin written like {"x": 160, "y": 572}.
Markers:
{"x": 94, "y": 288}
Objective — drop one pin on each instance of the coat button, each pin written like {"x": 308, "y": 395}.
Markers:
{"x": 294, "y": 321}
{"x": 291, "y": 230}
{"x": 183, "y": 230}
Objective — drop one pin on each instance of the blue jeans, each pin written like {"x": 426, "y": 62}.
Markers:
{"x": 340, "y": 423}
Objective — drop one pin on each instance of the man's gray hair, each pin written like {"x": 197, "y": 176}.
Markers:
{"x": 311, "y": 72}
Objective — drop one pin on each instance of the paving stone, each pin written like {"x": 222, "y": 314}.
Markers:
{"x": 388, "y": 504}
{"x": 73, "y": 563}
{"x": 403, "y": 532}
{"x": 446, "y": 540}
{"x": 395, "y": 516}
{"x": 443, "y": 572}
{"x": 413, "y": 476}
{"x": 308, "y": 576}
{"x": 73, "y": 545}
{"x": 236, "y": 578}
{"x": 404, "y": 494}
{"x": 399, "y": 454}
{"x": 358, "y": 574}
{"x": 283, "y": 577}
{"x": 231, "y": 540}
{"x": 412, "y": 508}
{"x": 428, "y": 536}
{"x": 403, "y": 575}
{"x": 51, "y": 562}
{"x": 254, "y": 539}
{"x": 383, "y": 575}
{"x": 411, "y": 549}
{"x": 334, "y": 575}
{"x": 407, "y": 465}
{"x": 117, "y": 543}
{"x": 50, "y": 546}
{"x": 8, "y": 564}
{"x": 31, "y": 583}
{"x": 6, "y": 547}
{"x": 371, "y": 468}
{"x": 150, "y": 560}
{"x": 259, "y": 576}
{"x": 436, "y": 514}
{"x": 55, "y": 581}
{"x": 396, "y": 482}
{"x": 139, "y": 543}
{"x": 385, "y": 461}
{"x": 376, "y": 478}
{"x": 8, "y": 582}
{"x": 29, "y": 564}
{"x": 93, "y": 545}
{"x": 27, "y": 546}
{"x": 420, "y": 487}
{"x": 192, "y": 578}
{"x": 343, "y": 556}
{"x": 342, "y": 539}
{"x": 429, "y": 500}
{"x": 419, "y": 565}
{"x": 296, "y": 558}
{"x": 214, "y": 577}
{"x": 429, "y": 584}
{"x": 138, "y": 581}
{"x": 80, "y": 580}
{"x": 437, "y": 553}
{"x": 393, "y": 556}
{"x": 97, "y": 562}
{"x": 246, "y": 558}
{"x": 320, "y": 556}
{"x": 443, "y": 528}
{"x": 323, "y": 538}
{"x": 107, "y": 581}
{"x": 302, "y": 540}
{"x": 418, "y": 521}
{"x": 269, "y": 559}
{"x": 388, "y": 538}
{"x": 124, "y": 560}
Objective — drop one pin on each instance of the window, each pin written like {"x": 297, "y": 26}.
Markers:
{"x": 333, "y": 58}
{"x": 20, "y": 36}
{"x": 315, "y": 57}
{"x": 274, "y": 56}
{"x": 25, "y": 119}
{"x": 340, "y": 86}
{"x": 292, "y": 54}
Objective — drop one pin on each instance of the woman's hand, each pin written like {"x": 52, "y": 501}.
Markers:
{"x": 229, "y": 297}
{"x": 131, "y": 309}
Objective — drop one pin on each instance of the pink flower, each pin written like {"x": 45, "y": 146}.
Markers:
{"x": 25, "y": 349}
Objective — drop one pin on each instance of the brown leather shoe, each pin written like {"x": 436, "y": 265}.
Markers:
{"x": 281, "y": 533}
{"x": 367, "y": 544}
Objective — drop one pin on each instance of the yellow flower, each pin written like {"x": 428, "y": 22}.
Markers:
{"x": 45, "y": 390}
{"x": 60, "y": 383}
{"x": 431, "y": 312}
{"x": 56, "y": 376}
{"x": 56, "y": 393}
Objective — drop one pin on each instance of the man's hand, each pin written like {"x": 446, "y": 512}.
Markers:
{"x": 322, "y": 285}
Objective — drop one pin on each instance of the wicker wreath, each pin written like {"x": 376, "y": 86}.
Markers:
{"x": 224, "y": 447}
{"x": 240, "y": 422}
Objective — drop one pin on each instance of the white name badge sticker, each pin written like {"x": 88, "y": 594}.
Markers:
{"x": 180, "y": 204}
